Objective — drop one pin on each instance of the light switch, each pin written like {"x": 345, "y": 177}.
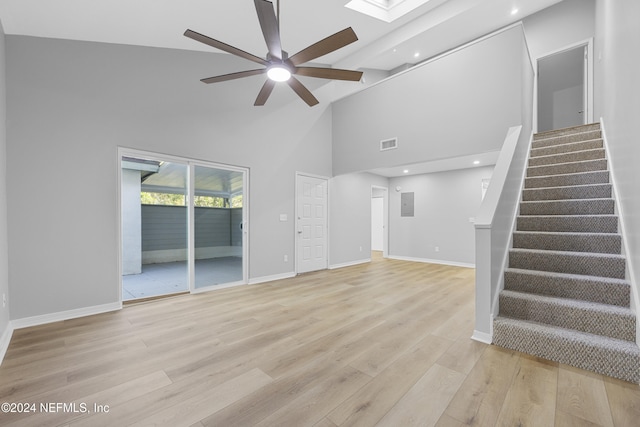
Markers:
{"x": 283, "y": 217}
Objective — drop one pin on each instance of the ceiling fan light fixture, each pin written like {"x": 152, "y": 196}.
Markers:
{"x": 278, "y": 73}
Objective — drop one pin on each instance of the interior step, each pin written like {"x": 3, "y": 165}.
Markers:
{"x": 591, "y": 191}
{"x": 573, "y": 130}
{"x": 603, "y": 290}
{"x": 589, "y": 264}
{"x": 576, "y": 156}
{"x": 584, "y": 178}
{"x": 599, "y": 319}
{"x": 568, "y": 207}
{"x": 603, "y": 243}
{"x": 567, "y": 168}
{"x": 549, "y": 150}
{"x": 569, "y": 223}
{"x": 615, "y": 358}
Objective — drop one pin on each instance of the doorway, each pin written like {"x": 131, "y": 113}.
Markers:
{"x": 564, "y": 87}
{"x": 379, "y": 221}
{"x": 311, "y": 223}
{"x": 183, "y": 225}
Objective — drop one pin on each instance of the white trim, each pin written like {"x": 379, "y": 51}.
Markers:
{"x": 433, "y": 261}
{"x": 635, "y": 297}
{"x": 43, "y": 319}
{"x": 588, "y": 114}
{"x": 272, "y": 278}
{"x": 349, "y": 264}
{"x": 5, "y": 341}
{"x": 482, "y": 337}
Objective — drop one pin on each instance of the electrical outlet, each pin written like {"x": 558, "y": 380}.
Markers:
{"x": 437, "y": 248}
{"x": 4, "y": 300}
{"x": 286, "y": 258}
{"x": 360, "y": 248}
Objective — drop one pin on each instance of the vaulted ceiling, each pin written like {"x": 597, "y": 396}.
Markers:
{"x": 433, "y": 27}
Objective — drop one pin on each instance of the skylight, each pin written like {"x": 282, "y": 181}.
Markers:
{"x": 385, "y": 10}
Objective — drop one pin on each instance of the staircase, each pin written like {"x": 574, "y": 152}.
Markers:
{"x": 565, "y": 296}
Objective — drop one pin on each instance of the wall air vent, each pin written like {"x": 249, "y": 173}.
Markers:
{"x": 388, "y": 144}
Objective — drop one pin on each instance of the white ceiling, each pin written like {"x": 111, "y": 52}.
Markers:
{"x": 431, "y": 28}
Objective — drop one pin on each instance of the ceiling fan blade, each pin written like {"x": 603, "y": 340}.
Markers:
{"x": 269, "y": 25}
{"x": 329, "y": 73}
{"x": 223, "y": 46}
{"x": 233, "y": 76}
{"x": 324, "y": 46}
{"x": 265, "y": 92}
{"x": 302, "y": 91}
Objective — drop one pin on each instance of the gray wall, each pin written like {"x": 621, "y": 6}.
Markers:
{"x": 457, "y": 105}
{"x": 444, "y": 203}
{"x": 619, "y": 70}
{"x": 71, "y": 104}
{"x": 350, "y": 217}
{"x": 4, "y": 264}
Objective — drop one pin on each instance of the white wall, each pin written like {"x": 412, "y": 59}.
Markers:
{"x": 457, "y": 105}
{"x": 71, "y": 104}
{"x": 350, "y": 217}
{"x": 558, "y": 26}
{"x": 444, "y": 204}
{"x": 619, "y": 86}
{"x": 4, "y": 264}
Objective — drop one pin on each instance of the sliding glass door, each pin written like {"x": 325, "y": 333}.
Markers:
{"x": 218, "y": 226}
{"x": 182, "y": 225}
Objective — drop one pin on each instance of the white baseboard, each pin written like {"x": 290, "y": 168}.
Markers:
{"x": 433, "y": 261}
{"x": 264, "y": 279}
{"x": 482, "y": 337}
{"x": 65, "y": 315}
{"x": 349, "y": 264}
{"x": 5, "y": 340}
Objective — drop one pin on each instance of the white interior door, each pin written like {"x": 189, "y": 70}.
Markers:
{"x": 311, "y": 223}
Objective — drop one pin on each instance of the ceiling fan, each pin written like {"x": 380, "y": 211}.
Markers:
{"x": 280, "y": 67}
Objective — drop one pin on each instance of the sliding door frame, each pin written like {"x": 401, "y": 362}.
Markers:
{"x": 190, "y": 164}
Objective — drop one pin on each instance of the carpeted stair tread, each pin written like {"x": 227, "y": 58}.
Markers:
{"x": 568, "y": 207}
{"x": 603, "y": 243}
{"x": 576, "y": 156}
{"x": 590, "y": 191}
{"x": 570, "y": 223}
{"x": 615, "y": 358}
{"x": 585, "y": 316}
{"x": 591, "y": 264}
{"x": 567, "y": 148}
{"x": 567, "y": 135}
{"x": 567, "y": 168}
{"x": 604, "y": 290}
{"x": 582, "y": 178}
{"x": 571, "y": 130}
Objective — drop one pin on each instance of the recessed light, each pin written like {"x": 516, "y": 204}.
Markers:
{"x": 514, "y": 10}
{"x": 415, "y": 55}
{"x": 405, "y": 171}
{"x": 395, "y": 50}
{"x": 476, "y": 162}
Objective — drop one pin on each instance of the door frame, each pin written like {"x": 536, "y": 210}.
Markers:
{"x": 588, "y": 80}
{"x": 385, "y": 218}
{"x": 190, "y": 163}
{"x": 295, "y": 229}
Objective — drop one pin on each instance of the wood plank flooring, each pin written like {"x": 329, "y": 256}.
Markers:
{"x": 379, "y": 344}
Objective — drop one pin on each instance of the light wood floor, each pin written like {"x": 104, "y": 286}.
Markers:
{"x": 380, "y": 344}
